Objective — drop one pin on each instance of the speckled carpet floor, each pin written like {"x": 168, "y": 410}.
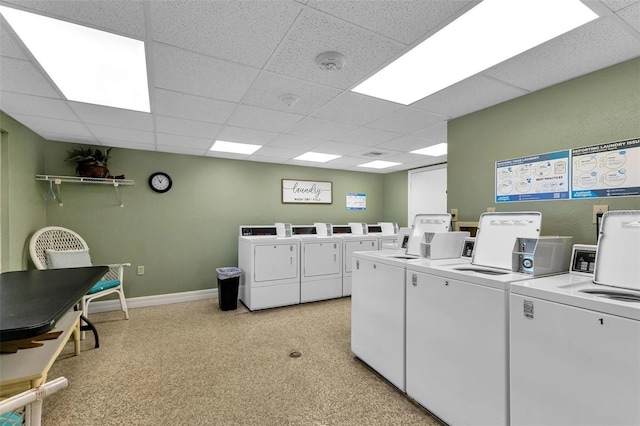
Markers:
{"x": 193, "y": 364}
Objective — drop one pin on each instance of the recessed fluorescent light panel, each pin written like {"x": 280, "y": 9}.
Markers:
{"x": 433, "y": 150}
{"x": 87, "y": 65}
{"x": 236, "y": 148}
{"x": 318, "y": 157}
{"x": 379, "y": 164}
{"x": 490, "y": 33}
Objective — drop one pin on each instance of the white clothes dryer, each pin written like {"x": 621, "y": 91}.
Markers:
{"x": 321, "y": 263}
{"x": 352, "y": 243}
{"x": 270, "y": 268}
{"x": 575, "y": 338}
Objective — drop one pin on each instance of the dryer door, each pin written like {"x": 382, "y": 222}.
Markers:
{"x": 357, "y": 245}
{"x": 321, "y": 259}
{"x": 275, "y": 261}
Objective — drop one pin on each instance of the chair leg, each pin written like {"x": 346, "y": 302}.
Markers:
{"x": 123, "y": 304}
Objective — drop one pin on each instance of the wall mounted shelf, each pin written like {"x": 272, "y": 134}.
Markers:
{"x": 59, "y": 180}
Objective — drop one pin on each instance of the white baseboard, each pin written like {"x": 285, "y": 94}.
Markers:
{"x": 161, "y": 299}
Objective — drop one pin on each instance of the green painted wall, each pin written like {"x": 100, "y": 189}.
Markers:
{"x": 596, "y": 108}
{"x": 396, "y": 193}
{"x": 22, "y": 207}
{"x": 182, "y": 236}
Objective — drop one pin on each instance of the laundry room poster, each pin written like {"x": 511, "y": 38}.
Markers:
{"x": 605, "y": 170}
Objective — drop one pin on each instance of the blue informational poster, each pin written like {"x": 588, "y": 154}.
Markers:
{"x": 606, "y": 170}
{"x": 356, "y": 201}
{"x": 533, "y": 178}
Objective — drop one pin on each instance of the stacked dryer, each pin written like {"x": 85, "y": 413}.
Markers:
{"x": 575, "y": 338}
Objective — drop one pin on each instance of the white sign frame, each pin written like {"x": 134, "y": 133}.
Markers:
{"x": 297, "y": 191}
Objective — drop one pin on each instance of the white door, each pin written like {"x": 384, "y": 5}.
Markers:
{"x": 275, "y": 262}
{"x": 322, "y": 259}
{"x": 352, "y": 246}
{"x": 427, "y": 191}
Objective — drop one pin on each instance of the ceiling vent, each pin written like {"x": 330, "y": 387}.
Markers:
{"x": 375, "y": 154}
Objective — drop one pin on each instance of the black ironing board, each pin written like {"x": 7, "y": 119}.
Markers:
{"x": 32, "y": 301}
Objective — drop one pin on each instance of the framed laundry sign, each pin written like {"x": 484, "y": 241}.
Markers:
{"x": 307, "y": 191}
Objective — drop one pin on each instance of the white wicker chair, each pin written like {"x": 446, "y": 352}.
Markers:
{"x": 26, "y": 408}
{"x": 58, "y": 239}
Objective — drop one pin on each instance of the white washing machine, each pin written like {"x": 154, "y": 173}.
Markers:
{"x": 321, "y": 267}
{"x": 386, "y": 234}
{"x": 270, "y": 268}
{"x": 378, "y": 307}
{"x": 352, "y": 243}
{"x": 575, "y": 339}
{"x": 457, "y": 326}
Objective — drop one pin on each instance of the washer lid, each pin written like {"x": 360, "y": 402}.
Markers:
{"x": 497, "y": 233}
{"x": 618, "y": 256}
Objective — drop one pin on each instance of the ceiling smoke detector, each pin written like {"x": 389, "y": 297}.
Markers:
{"x": 330, "y": 61}
{"x": 289, "y": 99}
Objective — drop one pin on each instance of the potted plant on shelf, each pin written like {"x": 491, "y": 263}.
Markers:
{"x": 90, "y": 162}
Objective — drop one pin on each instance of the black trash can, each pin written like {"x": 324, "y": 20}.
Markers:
{"x": 228, "y": 282}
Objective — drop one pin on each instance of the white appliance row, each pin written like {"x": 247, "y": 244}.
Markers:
{"x": 300, "y": 268}
{"x": 457, "y": 338}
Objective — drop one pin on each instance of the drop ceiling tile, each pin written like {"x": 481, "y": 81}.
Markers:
{"x": 406, "y": 143}
{"x": 121, "y": 134}
{"x": 72, "y": 128}
{"x": 320, "y": 129}
{"x": 616, "y": 5}
{"x": 337, "y": 148}
{"x": 408, "y": 158}
{"x": 124, "y": 17}
{"x": 182, "y": 105}
{"x": 180, "y": 126}
{"x": 631, "y": 15}
{"x": 353, "y": 108}
{"x": 404, "y": 20}
{"x": 163, "y": 139}
{"x": 472, "y": 94}
{"x": 9, "y": 46}
{"x": 241, "y": 135}
{"x": 263, "y": 119}
{"x": 435, "y": 133}
{"x": 367, "y": 137}
{"x": 314, "y": 33}
{"x": 266, "y": 89}
{"x": 114, "y": 117}
{"x": 261, "y": 159}
{"x": 186, "y": 151}
{"x": 183, "y": 71}
{"x": 61, "y": 137}
{"x": 127, "y": 145}
{"x": 280, "y": 153}
{"x": 350, "y": 161}
{"x": 406, "y": 121}
{"x": 245, "y": 32}
{"x": 591, "y": 47}
{"x": 36, "y": 105}
{"x": 295, "y": 142}
{"x": 22, "y": 77}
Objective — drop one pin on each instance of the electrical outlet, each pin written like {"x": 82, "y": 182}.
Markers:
{"x": 599, "y": 209}
{"x": 140, "y": 270}
{"x": 491, "y": 209}
{"x": 454, "y": 215}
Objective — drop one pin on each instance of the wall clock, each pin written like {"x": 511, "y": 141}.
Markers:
{"x": 160, "y": 182}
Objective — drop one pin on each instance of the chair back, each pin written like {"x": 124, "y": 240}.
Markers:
{"x": 53, "y": 238}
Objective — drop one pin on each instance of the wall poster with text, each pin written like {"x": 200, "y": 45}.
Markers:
{"x": 606, "y": 170}
{"x": 533, "y": 178}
